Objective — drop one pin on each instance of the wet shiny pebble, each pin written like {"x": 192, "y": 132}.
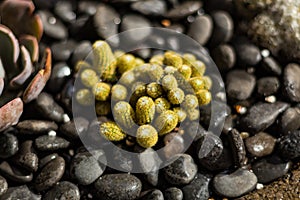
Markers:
{"x": 154, "y": 194}
{"x": 261, "y": 144}
{"x": 198, "y": 189}
{"x": 270, "y": 168}
{"x": 288, "y": 145}
{"x": 173, "y": 193}
{"x": 26, "y": 158}
{"x": 49, "y": 108}
{"x": 53, "y": 27}
{"x": 3, "y": 186}
{"x": 51, "y": 143}
{"x": 73, "y": 132}
{"x": 32, "y": 127}
{"x": 60, "y": 72}
{"x": 235, "y": 184}
{"x": 63, "y": 190}
{"x": 8, "y": 145}
{"x": 262, "y": 115}
{"x": 118, "y": 186}
{"x": 50, "y": 174}
{"x": 87, "y": 167}
{"x": 181, "y": 171}
{"x": 20, "y": 192}
{"x": 291, "y": 82}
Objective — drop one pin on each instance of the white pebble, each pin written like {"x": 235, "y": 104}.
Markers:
{"x": 52, "y": 133}
{"x": 66, "y": 118}
{"x": 259, "y": 186}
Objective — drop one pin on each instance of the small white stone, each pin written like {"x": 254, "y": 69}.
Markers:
{"x": 265, "y": 53}
{"x": 66, "y": 118}
{"x": 52, "y": 133}
{"x": 270, "y": 99}
{"x": 259, "y": 186}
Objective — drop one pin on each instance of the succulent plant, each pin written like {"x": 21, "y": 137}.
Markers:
{"x": 146, "y": 97}
{"x": 20, "y": 73}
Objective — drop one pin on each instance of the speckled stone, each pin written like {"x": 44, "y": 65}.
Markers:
{"x": 20, "y": 192}
{"x": 50, "y": 174}
{"x": 51, "y": 143}
{"x": 118, "y": 186}
{"x": 3, "y": 186}
{"x": 270, "y": 169}
{"x": 291, "y": 82}
{"x": 288, "y": 145}
{"x": 262, "y": 115}
{"x": 261, "y": 144}
{"x": 181, "y": 171}
{"x": 87, "y": 167}
{"x": 173, "y": 193}
{"x": 198, "y": 189}
{"x": 63, "y": 190}
{"x": 235, "y": 184}
{"x": 239, "y": 84}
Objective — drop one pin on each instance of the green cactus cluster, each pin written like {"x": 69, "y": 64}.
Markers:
{"x": 150, "y": 98}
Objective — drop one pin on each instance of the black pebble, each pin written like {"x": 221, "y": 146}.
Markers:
{"x": 53, "y": 27}
{"x": 270, "y": 169}
{"x": 224, "y": 57}
{"x": 240, "y": 84}
{"x": 262, "y": 115}
{"x": 83, "y": 51}
{"x": 291, "y": 82}
{"x": 247, "y": 53}
{"x": 271, "y": 67}
{"x": 62, "y": 51}
{"x": 173, "y": 193}
{"x": 152, "y": 195}
{"x": 290, "y": 120}
{"x": 51, "y": 143}
{"x": 223, "y": 28}
{"x": 201, "y": 29}
{"x": 106, "y": 20}
{"x": 8, "y": 145}
{"x": 267, "y": 86}
{"x": 289, "y": 146}
{"x": 198, "y": 189}
{"x": 118, "y": 186}
{"x": 60, "y": 72}
{"x": 181, "y": 171}
{"x": 150, "y": 7}
{"x": 63, "y": 190}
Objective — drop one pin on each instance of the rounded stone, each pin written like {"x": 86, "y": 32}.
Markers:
{"x": 87, "y": 167}
{"x": 181, "y": 171}
{"x": 224, "y": 57}
{"x": 235, "y": 184}
{"x": 201, "y": 29}
{"x": 8, "y": 145}
{"x": 118, "y": 186}
{"x": 261, "y": 144}
{"x": 50, "y": 174}
{"x": 63, "y": 190}
{"x": 173, "y": 193}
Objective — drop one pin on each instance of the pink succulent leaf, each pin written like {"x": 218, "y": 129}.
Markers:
{"x": 31, "y": 44}
{"x": 20, "y": 79}
{"x": 38, "y": 83}
{"x": 10, "y": 113}
{"x": 9, "y": 51}
{"x": 19, "y": 16}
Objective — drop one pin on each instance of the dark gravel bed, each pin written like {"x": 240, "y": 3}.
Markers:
{"x": 256, "y": 48}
